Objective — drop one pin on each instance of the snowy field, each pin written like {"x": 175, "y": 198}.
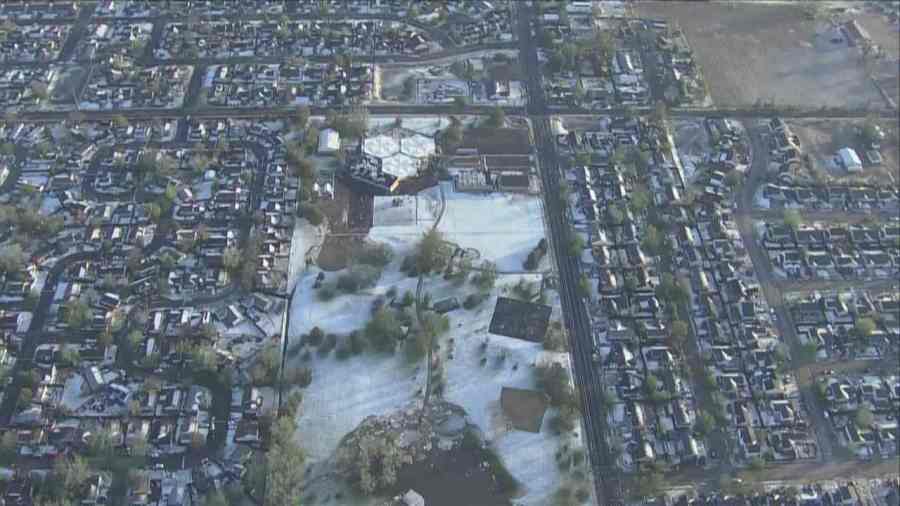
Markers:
{"x": 344, "y": 392}
{"x": 504, "y": 228}
{"x": 475, "y": 387}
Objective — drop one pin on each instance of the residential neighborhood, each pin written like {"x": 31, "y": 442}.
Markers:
{"x": 480, "y": 252}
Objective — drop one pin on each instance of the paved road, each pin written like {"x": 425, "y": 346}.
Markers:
{"x": 608, "y": 486}
{"x": 771, "y": 288}
{"x": 149, "y": 60}
{"x": 35, "y": 336}
{"x": 411, "y": 109}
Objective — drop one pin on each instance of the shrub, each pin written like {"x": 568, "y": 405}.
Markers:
{"x": 328, "y": 344}
{"x": 474, "y": 300}
{"x": 357, "y": 344}
{"x": 327, "y": 293}
{"x": 383, "y": 330}
{"x": 536, "y": 255}
{"x": 315, "y": 336}
{"x": 409, "y": 266}
{"x": 357, "y": 278}
{"x": 376, "y": 255}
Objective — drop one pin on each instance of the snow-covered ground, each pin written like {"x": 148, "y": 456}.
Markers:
{"x": 475, "y": 387}
{"x": 503, "y": 227}
{"x": 305, "y": 241}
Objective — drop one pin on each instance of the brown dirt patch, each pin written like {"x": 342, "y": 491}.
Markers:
{"x": 753, "y": 53}
{"x": 524, "y": 408}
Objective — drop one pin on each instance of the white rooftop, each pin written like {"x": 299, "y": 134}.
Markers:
{"x": 418, "y": 146}
{"x": 849, "y": 157}
{"x": 381, "y": 145}
{"x": 400, "y": 165}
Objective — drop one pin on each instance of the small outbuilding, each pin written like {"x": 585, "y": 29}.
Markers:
{"x": 329, "y": 141}
{"x": 850, "y": 160}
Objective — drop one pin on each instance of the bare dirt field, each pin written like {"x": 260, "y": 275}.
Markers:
{"x": 771, "y": 52}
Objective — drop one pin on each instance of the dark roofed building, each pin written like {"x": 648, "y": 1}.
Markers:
{"x": 521, "y": 320}
{"x": 495, "y": 141}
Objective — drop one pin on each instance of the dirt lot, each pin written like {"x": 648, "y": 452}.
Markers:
{"x": 338, "y": 243}
{"x": 823, "y": 138}
{"x": 751, "y": 53}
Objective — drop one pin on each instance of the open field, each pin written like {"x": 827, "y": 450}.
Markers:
{"x": 476, "y": 364}
{"x": 772, "y": 52}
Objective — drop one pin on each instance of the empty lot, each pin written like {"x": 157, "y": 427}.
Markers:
{"x": 751, "y": 53}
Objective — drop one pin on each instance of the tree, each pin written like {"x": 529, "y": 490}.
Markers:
{"x": 705, "y": 423}
{"x": 460, "y": 103}
{"x": 614, "y": 215}
{"x": 7, "y": 149}
{"x": 496, "y": 118}
{"x": 679, "y": 331}
{"x": 486, "y": 277}
{"x": 583, "y": 158}
{"x": 78, "y": 313}
{"x": 461, "y": 69}
{"x": 383, "y": 330}
{"x": 431, "y": 253}
{"x": 791, "y": 218}
{"x": 605, "y": 44}
{"x": 40, "y": 90}
{"x": 653, "y": 240}
{"x": 432, "y": 325}
{"x": 301, "y": 117}
{"x": 284, "y": 463}
{"x": 135, "y": 337}
{"x": 8, "y": 448}
{"x": 231, "y": 259}
{"x": 71, "y": 474}
{"x": 554, "y": 380}
{"x": 311, "y": 140}
{"x": 12, "y": 258}
{"x": 640, "y": 200}
{"x": 584, "y": 286}
{"x": 863, "y": 418}
{"x": 451, "y": 137}
{"x": 671, "y": 290}
{"x": 101, "y": 445}
{"x": 311, "y": 212}
{"x": 352, "y": 124}
{"x": 373, "y": 463}
{"x": 305, "y": 170}
{"x": 555, "y": 338}
{"x": 864, "y": 327}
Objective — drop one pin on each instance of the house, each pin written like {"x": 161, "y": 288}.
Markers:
{"x": 93, "y": 379}
{"x": 850, "y": 160}
{"x": 329, "y": 141}
{"x": 412, "y": 498}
